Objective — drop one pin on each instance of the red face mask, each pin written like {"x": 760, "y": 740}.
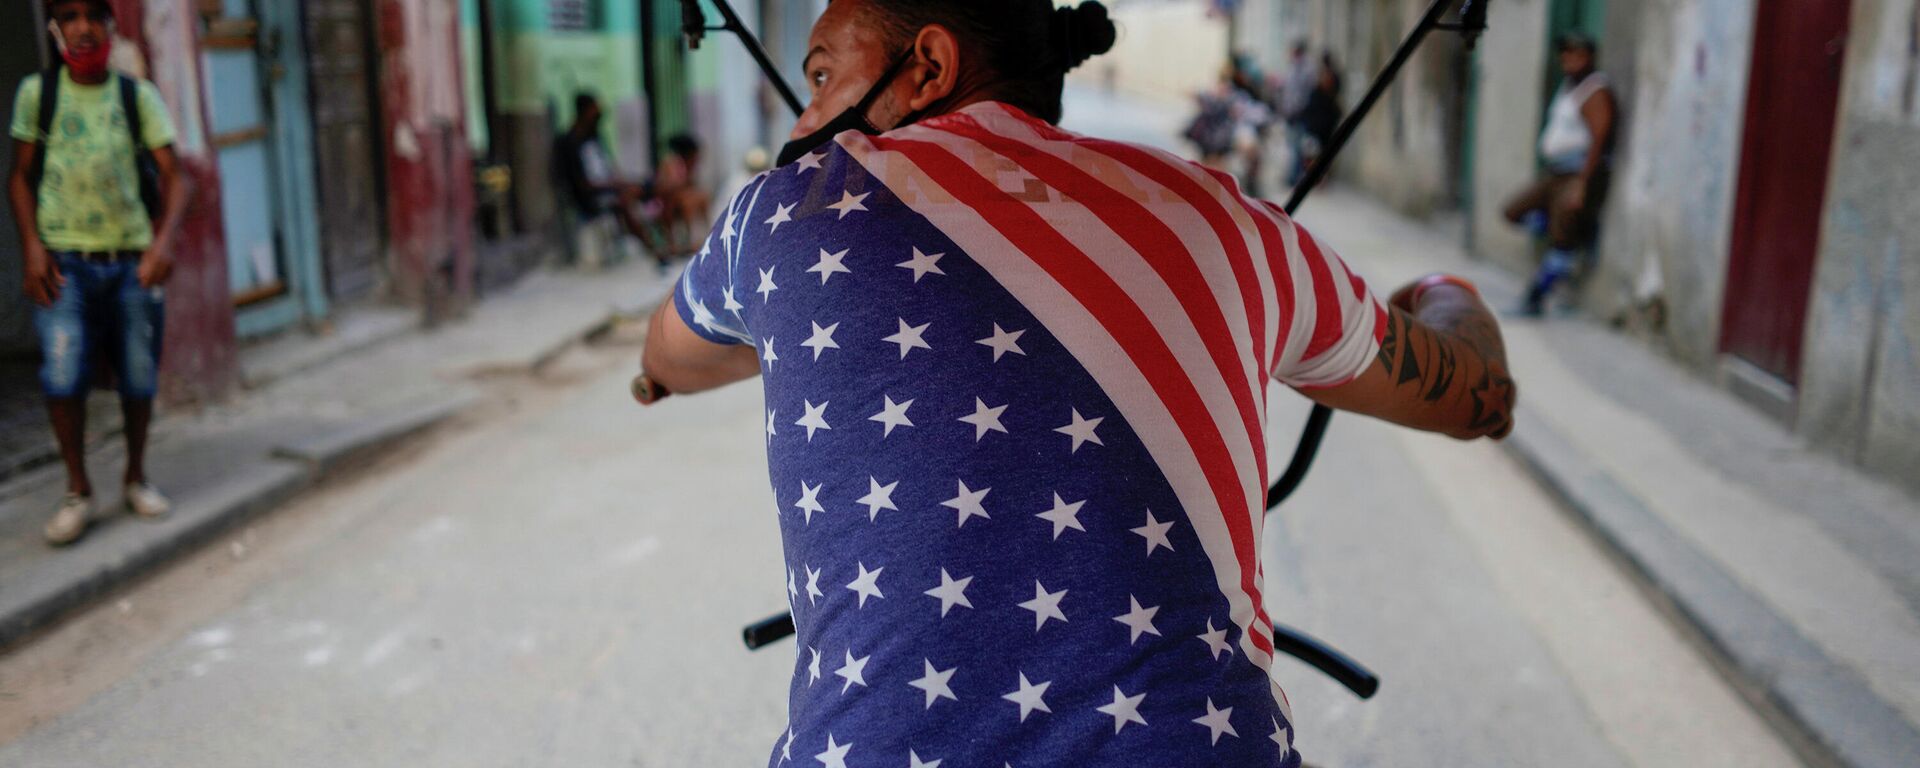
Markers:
{"x": 91, "y": 63}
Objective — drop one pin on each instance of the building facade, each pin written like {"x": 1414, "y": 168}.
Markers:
{"x": 1763, "y": 226}
{"x": 393, "y": 152}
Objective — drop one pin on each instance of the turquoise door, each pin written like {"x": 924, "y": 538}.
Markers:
{"x": 265, "y": 198}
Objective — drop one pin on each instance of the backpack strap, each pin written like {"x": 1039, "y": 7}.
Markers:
{"x": 49, "y": 104}
{"x": 130, "y": 104}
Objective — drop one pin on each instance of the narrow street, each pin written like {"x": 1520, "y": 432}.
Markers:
{"x": 559, "y": 578}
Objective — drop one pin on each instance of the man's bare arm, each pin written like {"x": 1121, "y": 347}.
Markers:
{"x": 678, "y": 359}
{"x": 39, "y": 276}
{"x": 1441, "y": 368}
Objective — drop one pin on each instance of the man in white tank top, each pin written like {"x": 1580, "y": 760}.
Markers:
{"x": 1576, "y": 147}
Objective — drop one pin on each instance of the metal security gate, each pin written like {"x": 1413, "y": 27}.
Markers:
{"x": 347, "y": 145}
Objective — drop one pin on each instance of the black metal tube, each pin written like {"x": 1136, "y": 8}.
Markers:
{"x": 1309, "y": 447}
{"x": 1339, "y": 666}
{"x": 1303, "y": 456}
{"x": 731, "y": 22}
{"x": 1318, "y": 171}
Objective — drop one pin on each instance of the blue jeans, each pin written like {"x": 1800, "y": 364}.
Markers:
{"x": 102, "y": 313}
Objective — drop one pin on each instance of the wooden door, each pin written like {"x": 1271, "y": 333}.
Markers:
{"x": 241, "y": 133}
{"x": 1793, "y": 93}
{"x": 346, "y": 145}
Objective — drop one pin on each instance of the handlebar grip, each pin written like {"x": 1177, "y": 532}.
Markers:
{"x": 766, "y": 632}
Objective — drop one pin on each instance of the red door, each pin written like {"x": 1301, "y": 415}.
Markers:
{"x": 1793, "y": 93}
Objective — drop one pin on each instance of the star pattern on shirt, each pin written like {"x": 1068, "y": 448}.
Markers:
{"x": 830, "y": 265}
{"x": 1003, "y": 341}
{"x": 1063, "y": 516}
{"x": 1023, "y": 463}
{"x": 909, "y": 338}
{"x": 1030, "y": 697}
{"x": 1216, "y": 640}
{"x": 808, "y": 162}
{"x": 836, "y": 754}
{"x": 1139, "y": 620}
{"x": 878, "y": 497}
{"x": 1279, "y": 736}
{"x": 1045, "y": 605}
{"x": 854, "y": 671}
{"x": 935, "y": 682}
{"x": 923, "y": 264}
{"x": 1081, "y": 430}
{"x": 821, "y": 340}
{"x": 781, "y": 215}
{"x": 767, "y": 287}
{"x": 814, "y": 420}
{"x": 1124, "y": 709}
{"x": 892, "y": 414}
{"x": 809, "y": 502}
{"x": 985, "y": 419}
{"x": 849, "y": 203}
{"x": 968, "y": 504}
{"x": 867, "y": 584}
{"x": 951, "y": 592}
{"x": 813, "y": 587}
{"x": 1155, "y": 532}
{"x": 1218, "y": 721}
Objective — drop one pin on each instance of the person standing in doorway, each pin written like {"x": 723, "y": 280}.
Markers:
{"x": 97, "y": 196}
{"x": 1577, "y": 147}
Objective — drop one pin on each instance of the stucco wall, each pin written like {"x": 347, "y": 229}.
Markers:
{"x": 1860, "y": 383}
{"x": 1508, "y": 103}
{"x": 1668, "y": 221}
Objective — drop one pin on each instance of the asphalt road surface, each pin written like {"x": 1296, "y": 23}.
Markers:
{"x": 559, "y": 579}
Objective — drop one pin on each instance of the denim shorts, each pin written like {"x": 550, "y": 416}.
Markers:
{"x": 102, "y": 316}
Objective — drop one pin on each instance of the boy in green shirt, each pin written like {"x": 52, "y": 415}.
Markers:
{"x": 95, "y": 258}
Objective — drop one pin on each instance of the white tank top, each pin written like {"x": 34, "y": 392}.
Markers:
{"x": 1567, "y": 140}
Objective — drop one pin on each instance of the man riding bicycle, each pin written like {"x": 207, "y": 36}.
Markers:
{"x": 1015, "y": 408}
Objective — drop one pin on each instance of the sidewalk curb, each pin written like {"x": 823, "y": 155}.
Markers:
{"x": 325, "y": 452}
{"x": 251, "y": 491}
{"x": 1829, "y": 714}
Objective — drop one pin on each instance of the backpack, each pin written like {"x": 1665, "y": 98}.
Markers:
{"x": 143, "y": 163}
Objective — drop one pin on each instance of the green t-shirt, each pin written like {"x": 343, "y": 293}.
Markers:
{"x": 90, "y": 196}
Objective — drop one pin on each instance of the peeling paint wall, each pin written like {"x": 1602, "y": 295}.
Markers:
{"x": 1860, "y": 385}
{"x": 1668, "y": 220}
{"x": 200, "y": 362}
{"x": 430, "y": 204}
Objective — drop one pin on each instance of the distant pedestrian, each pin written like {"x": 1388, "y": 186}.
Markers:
{"x": 1321, "y": 115}
{"x": 1303, "y": 78}
{"x": 97, "y": 198}
{"x": 1577, "y": 146}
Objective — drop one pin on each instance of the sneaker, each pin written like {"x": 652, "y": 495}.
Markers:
{"x": 71, "y": 520}
{"x": 146, "y": 501}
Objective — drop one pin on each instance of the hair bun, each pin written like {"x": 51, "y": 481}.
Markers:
{"x": 1081, "y": 32}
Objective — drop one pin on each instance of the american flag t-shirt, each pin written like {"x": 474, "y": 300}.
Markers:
{"x": 1015, "y": 424}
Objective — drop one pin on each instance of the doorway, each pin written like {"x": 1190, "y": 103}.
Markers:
{"x": 1793, "y": 96}
{"x": 347, "y": 146}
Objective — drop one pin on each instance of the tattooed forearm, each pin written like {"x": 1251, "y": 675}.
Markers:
{"x": 1452, "y": 360}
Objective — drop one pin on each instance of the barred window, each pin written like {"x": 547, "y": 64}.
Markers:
{"x": 570, "y": 15}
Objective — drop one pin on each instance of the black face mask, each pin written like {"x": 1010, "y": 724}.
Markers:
{"x": 854, "y": 119}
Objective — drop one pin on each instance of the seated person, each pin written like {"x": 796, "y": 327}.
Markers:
{"x": 683, "y": 204}
{"x": 587, "y": 178}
